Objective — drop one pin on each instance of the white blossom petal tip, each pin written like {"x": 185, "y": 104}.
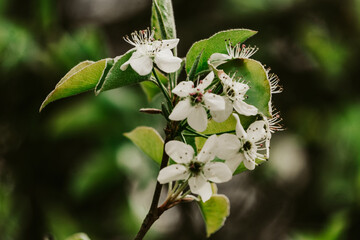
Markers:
{"x": 197, "y": 119}
{"x": 165, "y": 60}
{"x": 173, "y": 173}
{"x": 179, "y": 151}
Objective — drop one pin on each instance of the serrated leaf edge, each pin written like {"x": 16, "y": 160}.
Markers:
{"x": 202, "y": 40}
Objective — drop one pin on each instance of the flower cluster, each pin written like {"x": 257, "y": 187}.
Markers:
{"x": 217, "y": 96}
{"x": 201, "y": 169}
{"x": 197, "y": 99}
{"x": 219, "y": 121}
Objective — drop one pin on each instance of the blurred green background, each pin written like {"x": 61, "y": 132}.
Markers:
{"x": 70, "y": 169}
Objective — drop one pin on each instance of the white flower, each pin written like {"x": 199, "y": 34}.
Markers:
{"x": 245, "y": 146}
{"x": 234, "y": 98}
{"x": 148, "y": 51}
{"x": 195, "y": 102}
{"x": 234, "y": 52}
{"x": 198, "y": 170}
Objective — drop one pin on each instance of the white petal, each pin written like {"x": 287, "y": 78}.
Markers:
{"x": 256, "y": 131}
{"x": 166, "y": 44}
{"x": 249, "y": 164}
{"x": 234, "y": 162}
{"x": 197, "y": 119}
{"x": 125, "y": 65}
{"x": 208, "y": 151}
{"x": 173, "y": 173}
{"x": 267, "y": 144}
{"x": 166, "y": 61}
{"x": 240, "y": 132}
{"x": 217, "y": 172}
{"x": 199, "y": 185}
{"x": 240, "y": 88}
{"x": 220, "y": 116}
{"x": 244, "y": 109}
{"x": 225, "y": 79}
{"x": 228, "y": 146}
{"x": 206, "y": 81}
{"x": 217, "y": 59}
{"x": 214, "y": 102}
{"x": 179, "y": 151}
{"x": 181, "y": 110}
{"x": 183, "y": 89}
{"x": 142, "y": 64}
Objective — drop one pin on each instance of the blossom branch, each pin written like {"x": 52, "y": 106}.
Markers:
{"x": 162, "y": 87}
{"x": 155, "y": 212}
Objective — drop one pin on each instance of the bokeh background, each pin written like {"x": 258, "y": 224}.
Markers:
{"x": 70, "y": 169}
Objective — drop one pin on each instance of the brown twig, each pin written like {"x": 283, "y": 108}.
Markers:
{"x": 155, "y": 211}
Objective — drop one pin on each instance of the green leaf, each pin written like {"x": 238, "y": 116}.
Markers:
{"x": 214, "y": 44}
{"x": 78, "y": 236}
{"x": 149, "y": 141}
{"x": 254, "y": 74}
{"x": 162, "y": 19}
{"x": 150, "y": 88}
{"x": 83, "y": 77}
{"x": 215, "y": 211}
{"x": 192, "y": 72}
{"x": 116, "y": 77}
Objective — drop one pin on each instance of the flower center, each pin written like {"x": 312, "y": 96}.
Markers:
{"x": 230, "y": 92}
{"x": 196, "y": 98}
{"x": 195, "y": 167}
{"x": 247, "y": 146}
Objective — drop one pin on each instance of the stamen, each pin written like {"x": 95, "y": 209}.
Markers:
{"x": 141, "y": 38}
{"x": 274, "y": 83}
{"x": 240, "y": 50}
{"x": 274, "y": 124}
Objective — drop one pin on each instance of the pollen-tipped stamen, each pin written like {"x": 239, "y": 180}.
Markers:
{"x": 274, "y": 83}
{"x": 240, "y": 50}
{"x": 140, "y": 37}
{"x": 275, "y": 123}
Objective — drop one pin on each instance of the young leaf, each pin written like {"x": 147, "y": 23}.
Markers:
{"x": 254, "y": 74}
{"x": 81, "y": 78}
{"x": 192, "y": 72}
{"x": 215, "y": 211}
{"x": 116, "y": 77}
{"x": 214, "y": 44}
{"x": 150, "y": 88}
{"x": 149, "y": 141}
{"x": 162, "y": 19}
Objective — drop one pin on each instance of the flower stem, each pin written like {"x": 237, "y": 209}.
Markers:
{"x": 180, "y": 189}
{"x": 155, "y": 211}
{"x": 162, "y": 88}
{"x": 197, "y": 133}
